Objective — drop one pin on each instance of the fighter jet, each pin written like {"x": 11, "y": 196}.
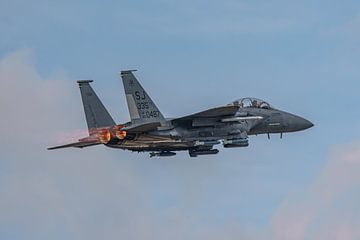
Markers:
{"x": 149, "y": 131}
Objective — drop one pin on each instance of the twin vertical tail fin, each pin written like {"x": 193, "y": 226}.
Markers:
{"x": 96, "y": 117}
{"x": 95, "y": 112}
{"x": 142, "y": 109}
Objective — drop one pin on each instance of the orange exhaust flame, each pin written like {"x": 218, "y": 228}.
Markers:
{"x": 104, "y": 136}
{"x": 120, "y": 134}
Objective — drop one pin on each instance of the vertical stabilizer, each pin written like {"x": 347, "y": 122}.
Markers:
{"x": 96, "y": 114}
{"x": 141, "y": 108}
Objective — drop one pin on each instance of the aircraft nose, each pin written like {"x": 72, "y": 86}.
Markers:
{"x": 302, "y": 123}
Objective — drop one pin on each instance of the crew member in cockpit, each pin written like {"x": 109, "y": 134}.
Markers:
{"x": 254, "y": 103}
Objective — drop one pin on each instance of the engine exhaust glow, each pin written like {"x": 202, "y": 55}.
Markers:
{"x": 104, "y": 136}
{"x": 119, "y": 133}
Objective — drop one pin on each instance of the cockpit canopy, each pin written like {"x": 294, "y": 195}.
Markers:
{"x": 251, "y": 102}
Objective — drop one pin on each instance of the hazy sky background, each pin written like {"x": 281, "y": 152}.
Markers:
{"x": 301, "y": 56}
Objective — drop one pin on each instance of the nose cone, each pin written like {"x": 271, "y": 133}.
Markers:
{"x": 300, "y": 123}
{"x": 305, "y": 124}
{"x": 295, "y": 123}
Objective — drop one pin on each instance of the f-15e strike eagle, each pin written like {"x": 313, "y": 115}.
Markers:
{"x": 150, "y": 131}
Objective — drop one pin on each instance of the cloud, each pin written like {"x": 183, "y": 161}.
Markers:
{"x": 77, "y": 194}
{"x": 30, "y": 104}
{"x": 45, "y": 193}
{"x": 99, "y": 193}
{"x": 329, "y": 208}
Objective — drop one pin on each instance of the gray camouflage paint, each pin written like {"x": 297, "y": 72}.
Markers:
{"x": 198, "y": 133}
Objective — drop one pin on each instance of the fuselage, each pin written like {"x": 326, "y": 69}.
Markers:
{"x": 200, "y": 132}
{"x": 149, "y": 130}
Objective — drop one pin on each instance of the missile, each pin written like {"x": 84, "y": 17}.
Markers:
{"x": 162, "y": 154}
{"x": 195, "y": 153}
{"x": 240, "y": 142}
{"x": 207, "y": 143}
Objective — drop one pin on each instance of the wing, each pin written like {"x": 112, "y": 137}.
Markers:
{"x": 212, "y": 113}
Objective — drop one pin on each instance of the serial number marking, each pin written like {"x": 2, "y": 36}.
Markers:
{"x": 143, "y": 105}
{"x": 150, "y": 114}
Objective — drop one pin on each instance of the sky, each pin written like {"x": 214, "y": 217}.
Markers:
{"x": 301, "y": 56}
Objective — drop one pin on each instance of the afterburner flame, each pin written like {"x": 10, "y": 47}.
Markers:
{"x": 104, "y": 136}
{"x": 119, "y": 133}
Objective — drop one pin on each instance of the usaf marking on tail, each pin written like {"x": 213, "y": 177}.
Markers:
{"x": 150, "y": 131}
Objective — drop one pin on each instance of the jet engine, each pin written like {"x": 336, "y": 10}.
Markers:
{"x": 106, "y": 135}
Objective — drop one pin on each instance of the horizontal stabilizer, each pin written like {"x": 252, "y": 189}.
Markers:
{"x": 77, "y": 145}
